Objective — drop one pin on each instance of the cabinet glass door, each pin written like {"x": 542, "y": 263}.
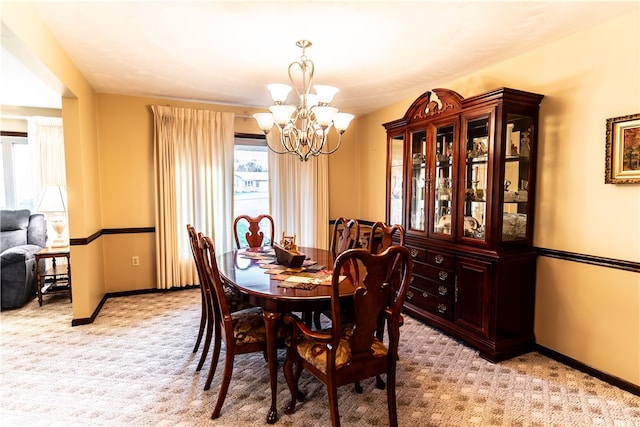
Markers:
{"x": 516, "y": 177}
{"x": 418, "y": 179}
{"x": 396, "y": 156}
{"x": 442, "y": 161}
{"x": 476, "y": 175}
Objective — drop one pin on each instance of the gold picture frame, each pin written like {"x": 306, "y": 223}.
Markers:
{"x": 623, "y": 150}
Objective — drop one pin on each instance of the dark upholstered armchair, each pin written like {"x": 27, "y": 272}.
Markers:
{"x": 22, "y": 234}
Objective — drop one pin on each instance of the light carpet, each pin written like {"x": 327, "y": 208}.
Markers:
{"x": 134, "y": 366}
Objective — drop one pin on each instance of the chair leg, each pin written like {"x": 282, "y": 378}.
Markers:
{"x": 332, "y": 391}
{"x": 391, "y": 398}
{"x": 358, "y": 387}
{"x": 292, "y": 378}
{"x": 224, "y": 386}
{"x": 203, "y": 321}
{"x": 207, "y": 344}
{"x": 217, "y": 343}
{"x": 307, "y": 318}
{"x": 316, "y": 319}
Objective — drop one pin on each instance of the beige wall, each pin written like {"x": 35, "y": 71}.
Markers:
{"x": 591, "y": 314}
{"x": 81, "y": 154}
{"x": 125, "y": 132}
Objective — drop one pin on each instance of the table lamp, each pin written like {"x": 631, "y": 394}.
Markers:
{"x": 54, "y": 201}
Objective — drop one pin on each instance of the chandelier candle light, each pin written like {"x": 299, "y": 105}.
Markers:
{"x": 303, "y": 129}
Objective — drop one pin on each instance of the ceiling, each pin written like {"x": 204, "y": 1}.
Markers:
{"x": 226, "y": 52}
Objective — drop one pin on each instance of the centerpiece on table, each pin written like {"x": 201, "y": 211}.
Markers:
{"x": 287, "y": 252}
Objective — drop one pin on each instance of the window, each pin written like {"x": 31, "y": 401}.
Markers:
{"x": 17, "y": 180}
{"x": 251, "y": 178}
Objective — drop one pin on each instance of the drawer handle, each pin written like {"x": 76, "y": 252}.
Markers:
{"x": 414, "y": 253}
{"x": 442, "y": 308}
{"x": 425, "y": 295}
{"x": 439, "y": 259}
{"x": 409, "y": 295}
{"x": 442, "y": 290}
{"x": 412, "y": 279}
{"x": 443, "y": 275}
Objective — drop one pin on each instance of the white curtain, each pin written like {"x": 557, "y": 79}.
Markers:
{"x": 46, "y": 136}
{"x": 46, "y": 139}
{"x": 193, "y": 162}
{"x": 299, "y": 193}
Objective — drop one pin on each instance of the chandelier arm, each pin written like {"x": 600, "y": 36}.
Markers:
{"x": 318, "y": 142}
{"x": 288, "y": 147}
{"x": 334, "y": 149}
{"x": 286, "y": 151}
{"x": 290, "y": 139}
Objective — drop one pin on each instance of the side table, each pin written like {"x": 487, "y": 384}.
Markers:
{"x": 58, "y": 277}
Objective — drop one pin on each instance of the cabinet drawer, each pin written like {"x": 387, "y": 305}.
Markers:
{"x": 437, "y": 288}
{"x": 440, "y": 259}
{"x": 429, "y": 302}
{"x": 434, "y": 273}
{"x": 418, "y": 254}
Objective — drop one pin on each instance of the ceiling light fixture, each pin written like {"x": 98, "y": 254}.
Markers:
{"x": 303, "y": 129}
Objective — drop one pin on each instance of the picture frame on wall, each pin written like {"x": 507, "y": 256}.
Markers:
{"x": 623, "y": 150}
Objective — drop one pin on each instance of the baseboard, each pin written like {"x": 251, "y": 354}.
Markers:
{"x": 610, "y": 379}
{"x": 88, "y": 320}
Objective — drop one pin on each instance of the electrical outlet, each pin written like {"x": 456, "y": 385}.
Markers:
{"x": 135, "y": 261}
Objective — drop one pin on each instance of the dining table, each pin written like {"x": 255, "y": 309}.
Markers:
{"x": 255, "y": 274}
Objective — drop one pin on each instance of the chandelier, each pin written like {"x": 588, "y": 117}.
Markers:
{"x": 303, "y": 128}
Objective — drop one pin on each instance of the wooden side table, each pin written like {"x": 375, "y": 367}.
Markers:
{"x": 58, "y": 277}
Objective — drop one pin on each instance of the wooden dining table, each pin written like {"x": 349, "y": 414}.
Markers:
{"x": 245, "y": 273}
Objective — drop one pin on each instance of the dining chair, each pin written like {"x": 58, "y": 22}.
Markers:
{"x": 380, "y": 238}
{"x": 242, "y": 331}
{"x": 350, "y": 352}
{"x": 346, "y": 235}
{"x": 207, "y": 313}
{"x": 255, "y": 233}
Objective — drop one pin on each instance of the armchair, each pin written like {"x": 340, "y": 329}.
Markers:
{"x": 22, "y": 234}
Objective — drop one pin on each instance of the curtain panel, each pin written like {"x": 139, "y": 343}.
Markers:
{"x": 193, "y": 184}
{"x": 299, "y": 196}
{"x": 46, "y": 136}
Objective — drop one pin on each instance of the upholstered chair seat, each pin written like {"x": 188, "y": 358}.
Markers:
{"x": 316, "y": 353}
{"x": 248, "y": 326}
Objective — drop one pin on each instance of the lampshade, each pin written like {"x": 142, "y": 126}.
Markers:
{"x": 53, "y": 199}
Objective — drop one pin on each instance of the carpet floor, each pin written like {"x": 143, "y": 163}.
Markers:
{"x": 134, "y": 366}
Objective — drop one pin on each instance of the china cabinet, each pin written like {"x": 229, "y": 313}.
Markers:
{"x": 461, "y": 180}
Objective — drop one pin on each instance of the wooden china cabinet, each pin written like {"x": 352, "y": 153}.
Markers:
{"x": 461, "y": 180}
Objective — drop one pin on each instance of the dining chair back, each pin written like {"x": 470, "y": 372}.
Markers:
{"x": 207, "y": 314}
{"x": 346, "y": 234}
{"x": 255, "y": 230}
{"x": 242, "y": 331}
{"x": 382, "y": 236}
{"x": 350, "y": 352}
